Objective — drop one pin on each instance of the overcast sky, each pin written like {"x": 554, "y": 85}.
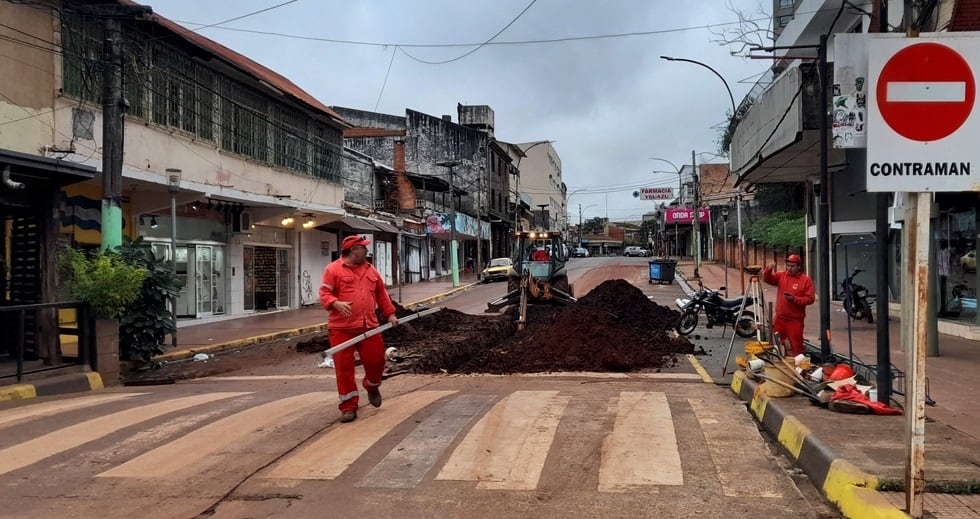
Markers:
{"x": 609, "y": 103}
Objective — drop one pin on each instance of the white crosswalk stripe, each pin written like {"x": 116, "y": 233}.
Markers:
{"x": 493, "y": 441}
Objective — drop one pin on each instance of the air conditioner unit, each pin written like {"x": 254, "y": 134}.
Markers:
{"x": 242, "y": 223}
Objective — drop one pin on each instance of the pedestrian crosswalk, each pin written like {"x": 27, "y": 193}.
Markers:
{"x": 617, "y": 441}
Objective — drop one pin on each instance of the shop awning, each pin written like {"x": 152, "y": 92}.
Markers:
{"x": 356, "y": 224}
{"x": 384, "y": 226}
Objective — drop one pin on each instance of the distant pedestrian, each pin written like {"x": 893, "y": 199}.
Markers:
{"x": 352, "y": 290}
{"x": 796, "y": 292}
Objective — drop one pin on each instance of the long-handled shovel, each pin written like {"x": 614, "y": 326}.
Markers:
{"x": 327, "y": 354}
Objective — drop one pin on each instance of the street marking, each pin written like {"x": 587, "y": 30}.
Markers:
{"x": 205, "y": 446}
{"x": 733, "y": 445}
{"x": 507, "y": 448}
{"x": 926, "y": 92}
{"x": 247, "y": 378}
{"x": 641, "y": 451}
{"x": 33, "y": 411}
{"x": 32, "y": 451}
{"x": 413, "y": 457}
{"x": 329, "y": 456}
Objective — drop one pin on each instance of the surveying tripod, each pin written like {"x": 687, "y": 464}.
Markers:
{"x": 754, "y": 301}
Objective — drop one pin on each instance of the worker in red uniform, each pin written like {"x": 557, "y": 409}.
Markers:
{"x": 351, "y": 290}
{"x": 795, "y": 293}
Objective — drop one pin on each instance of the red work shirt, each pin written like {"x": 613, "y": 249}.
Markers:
{"x": 799, "y": 286}
{"x": 362, "y": 286}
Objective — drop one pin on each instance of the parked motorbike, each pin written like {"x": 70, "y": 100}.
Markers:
{"x": 718, "y": 311}
{"x": 855, "y": 298}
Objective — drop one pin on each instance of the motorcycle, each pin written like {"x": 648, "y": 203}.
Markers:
{"x": 855, "y": 298}
{"x": 718, "y": 310}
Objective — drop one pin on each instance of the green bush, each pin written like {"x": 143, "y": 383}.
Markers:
{"x": 143, "y": 330}
{"x": 103, "y": 279}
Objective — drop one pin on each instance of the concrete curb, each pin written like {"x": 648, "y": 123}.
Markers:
{"x": 439, "y": 297}
{"x": 70, "y": 383}
{"x": 845, "y": 485}
{"x": 241, "y": 343}
{"x": 236, "y": 344}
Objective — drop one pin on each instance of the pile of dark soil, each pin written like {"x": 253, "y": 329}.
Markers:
{"x": 613, "y": 328}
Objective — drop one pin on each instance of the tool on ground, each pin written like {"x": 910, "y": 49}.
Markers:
{"x": 755, "y": 301}
{"x": 372, "y": 332}
{"x": 539, "y": 275}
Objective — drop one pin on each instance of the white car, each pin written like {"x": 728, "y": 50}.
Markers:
{"x": 580, "y": 252}
{"x": 636, "y": 251}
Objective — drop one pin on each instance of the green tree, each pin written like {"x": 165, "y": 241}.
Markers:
{"x": 594, "y": 225}
{"x": 778, "y": 230}
{"x": 101, "y": 278}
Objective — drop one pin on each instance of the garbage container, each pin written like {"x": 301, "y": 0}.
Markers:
{"x": 662, "y": 269}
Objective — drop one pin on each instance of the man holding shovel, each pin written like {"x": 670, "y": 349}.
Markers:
{"x": 351, "y": 290}
{"x": 796, "y": 291}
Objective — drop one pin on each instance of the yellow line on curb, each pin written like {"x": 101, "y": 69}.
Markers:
{"x": 700, "y": 369}
{"x": 18, "y": 392}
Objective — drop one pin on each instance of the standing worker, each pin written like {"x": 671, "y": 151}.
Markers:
{"x": 351, "y": 290}
{"x": 796, "y": 292}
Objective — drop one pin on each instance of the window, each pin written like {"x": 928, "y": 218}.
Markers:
{"x": 783, "y": 4}
{"x": 783, "y": 21}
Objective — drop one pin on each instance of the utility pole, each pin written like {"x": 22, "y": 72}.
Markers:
{"x": 113, "y": 126}
{"x": 479, "y": 226}
{"x": 113, "y": 116}
{"x": 453, "y": 253}
{"x": 696, "y": 218}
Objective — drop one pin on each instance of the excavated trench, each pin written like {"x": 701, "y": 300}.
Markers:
{"x": 614, "y": 328}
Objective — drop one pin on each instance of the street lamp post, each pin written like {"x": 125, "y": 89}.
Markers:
{"x": 697, "y": 259}
{"x": 580, "y": 209}
{"x": 453, "y": 253}
{"x": 173, "y": 186}
{"x": 724, "y": 219}
{"x": 680, "y": 188}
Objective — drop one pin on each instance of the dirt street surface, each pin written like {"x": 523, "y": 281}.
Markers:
{"x": 613, "y": 328}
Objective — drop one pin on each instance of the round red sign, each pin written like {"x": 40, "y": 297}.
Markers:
{"x": 926, "y": 91}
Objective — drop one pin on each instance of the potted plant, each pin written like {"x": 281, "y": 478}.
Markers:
{"x": 109, "y": 285}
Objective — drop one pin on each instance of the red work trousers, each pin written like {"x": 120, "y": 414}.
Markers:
{"x": 372, "y": 353}
{"x": 791, "y": 331}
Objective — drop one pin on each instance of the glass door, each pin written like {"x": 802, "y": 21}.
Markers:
{"x": 248, "y": 266}
{"x": 204, "y": 277}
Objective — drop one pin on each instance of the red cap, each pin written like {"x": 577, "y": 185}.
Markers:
{"x": 793, "y": 258}
{"x": 351, "y": 241}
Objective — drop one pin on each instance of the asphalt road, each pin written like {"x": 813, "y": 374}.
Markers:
{"x": 265, "y": 442}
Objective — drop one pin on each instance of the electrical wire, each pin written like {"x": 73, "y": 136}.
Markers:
{"x": 457, "y": 58}
{"x": 385, "y": 83}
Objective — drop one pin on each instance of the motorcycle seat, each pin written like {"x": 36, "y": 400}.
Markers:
{"x": 733, "y": 303}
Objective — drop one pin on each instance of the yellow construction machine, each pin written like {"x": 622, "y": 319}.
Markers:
{"x": 539, "y": 275}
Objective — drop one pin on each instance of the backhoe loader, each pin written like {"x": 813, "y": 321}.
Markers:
{"x": 539, "y": 274}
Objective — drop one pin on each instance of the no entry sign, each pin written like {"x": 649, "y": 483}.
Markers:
{"x": 925, "y": 92}
{"x": 922, "y": 126}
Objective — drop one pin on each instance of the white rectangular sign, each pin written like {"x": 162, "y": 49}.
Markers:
{"x": 656, "y": 193}
{"x": 923, "y": 123}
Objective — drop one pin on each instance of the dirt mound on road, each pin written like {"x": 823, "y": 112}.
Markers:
{"x": 613, "y": 328}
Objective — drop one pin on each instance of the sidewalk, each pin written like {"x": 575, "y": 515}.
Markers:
{"x": 222, "y": 333}
{"x": 848, "y": 455}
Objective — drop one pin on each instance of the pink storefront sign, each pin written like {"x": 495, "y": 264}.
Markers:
{"x": 683, "y": 215}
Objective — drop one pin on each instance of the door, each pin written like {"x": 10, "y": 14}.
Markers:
{"x": 204, "y": 279}
{"x": 282, "y": 278}
{"x": 248, "y": 268}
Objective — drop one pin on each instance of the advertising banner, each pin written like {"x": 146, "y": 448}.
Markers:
{"x": 685, "y": 215}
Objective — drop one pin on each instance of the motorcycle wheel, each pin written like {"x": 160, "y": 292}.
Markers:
{"x": 745, "y": 327}
{"x": 853, "y": 310}
{"x": 867, "y": 313}
{"x": 687, "y": 322}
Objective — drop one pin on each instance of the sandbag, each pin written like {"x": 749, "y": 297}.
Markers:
{"x": 776, "y": 390}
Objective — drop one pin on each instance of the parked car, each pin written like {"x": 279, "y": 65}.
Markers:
{"x": 498, "y": 269}
{"x": 636, "y": 251}
{"x": 580, "y": 252}
{"x": 969, "y": 261}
